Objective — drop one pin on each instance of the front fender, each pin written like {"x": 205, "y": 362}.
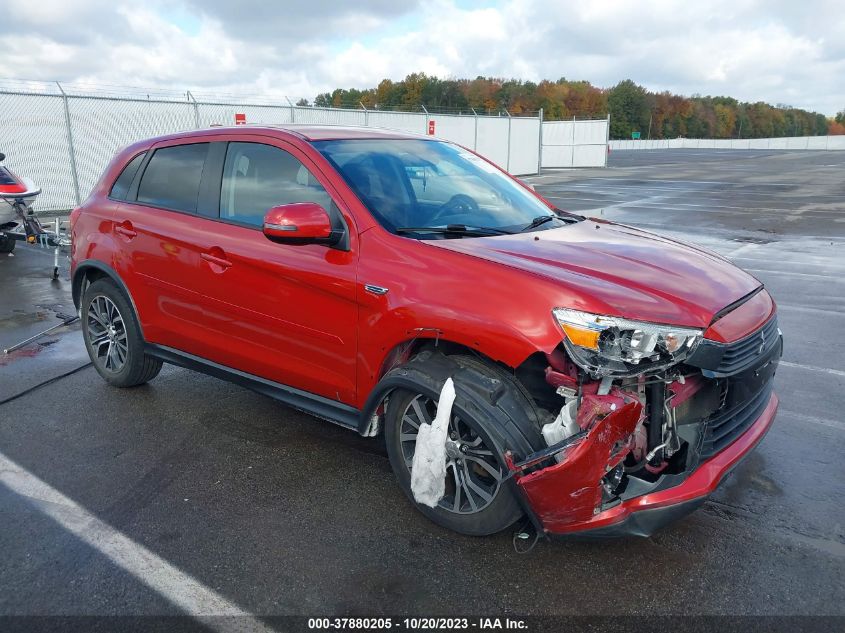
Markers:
{"x": 432, "y": 293}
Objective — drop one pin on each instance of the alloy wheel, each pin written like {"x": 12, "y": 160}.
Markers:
{"x": 107, "y": 334}
{"x": 473, "y": 475}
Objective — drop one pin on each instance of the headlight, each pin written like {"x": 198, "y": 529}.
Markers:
{"x": 612, "y": 346}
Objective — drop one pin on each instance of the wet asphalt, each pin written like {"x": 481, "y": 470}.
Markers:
{"x": 279, "y": 513}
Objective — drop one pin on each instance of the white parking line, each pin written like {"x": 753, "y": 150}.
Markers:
{"x": 796, "y": 274}
{"x": 834, "y": 424}
{"x": 824, "y": 370}
{"x": 176, "y": 586}
{"x": 808, "y": 309}
{"x": 781, "y": 258}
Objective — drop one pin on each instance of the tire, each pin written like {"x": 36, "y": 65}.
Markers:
{"x": 113, "y": 337}
{"x": 7, "y": 244}
{"x": 480, "y": 427}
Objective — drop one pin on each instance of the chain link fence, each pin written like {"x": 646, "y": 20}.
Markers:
{"x": 62, "y": 136}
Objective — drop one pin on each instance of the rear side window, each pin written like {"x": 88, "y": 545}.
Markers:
{"x": 121, "y": 186}
{"x": 259, "y": 177}
{"x": 172, "y": 177}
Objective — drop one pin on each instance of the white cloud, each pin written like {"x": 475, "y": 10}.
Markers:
{"x": 777, "y": 51}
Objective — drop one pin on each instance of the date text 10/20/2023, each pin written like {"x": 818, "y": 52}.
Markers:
{"x": 418, "y": 624}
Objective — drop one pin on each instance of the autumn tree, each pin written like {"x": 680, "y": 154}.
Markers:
{"x": 628, "y": 104}
{"x": 632, "y": 107}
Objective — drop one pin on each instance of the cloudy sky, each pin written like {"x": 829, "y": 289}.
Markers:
{"x": 780, "y": 51}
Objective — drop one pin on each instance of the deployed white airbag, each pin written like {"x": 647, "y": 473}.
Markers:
{"x": 428, "y": 470}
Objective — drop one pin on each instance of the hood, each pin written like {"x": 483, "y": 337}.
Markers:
{"x": 620, "y": 271}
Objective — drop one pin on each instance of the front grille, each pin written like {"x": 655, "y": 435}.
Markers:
{"x": 725, "y": 426}
{"x": 718, "y": 360}
{"x": 742, "y": 353}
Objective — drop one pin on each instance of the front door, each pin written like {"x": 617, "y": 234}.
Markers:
{"x": 287, "y": 313}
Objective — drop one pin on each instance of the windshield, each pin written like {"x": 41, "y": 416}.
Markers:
{"x": 409, "y": 183}
{"x": 6, "y": 178}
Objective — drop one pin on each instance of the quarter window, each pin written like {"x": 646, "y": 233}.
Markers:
{"x": 124, "y": 181}
{"x": 259, "y": 177}
{"x": 172, "y": 177}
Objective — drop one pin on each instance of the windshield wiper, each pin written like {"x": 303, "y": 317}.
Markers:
{"x": 569, "y": 218}
{"x": 540, "y": 219}
{"x": 457, "y": 229}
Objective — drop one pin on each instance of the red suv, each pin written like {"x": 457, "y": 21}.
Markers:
{"x": 606, "y": 379}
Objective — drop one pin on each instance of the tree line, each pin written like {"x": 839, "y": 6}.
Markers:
{"x": 632, "y": 108}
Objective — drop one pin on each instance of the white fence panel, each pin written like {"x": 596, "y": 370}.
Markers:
{"x": 589, "y": 155}
{"x": 321, "y": 116}
{"x": 403, "y": 121}
{"x": 33, "y": 135}
{"x": 103, "y": 126}
{"x": 224, "y": 114}
{"x": 524, "y": 146}
{"x": 784, "y": 143}
{"x": 63, "y": 142}
{"x": 575, "y": 143}
{"x": 493, "y": 139}
{"x": 458, "y": 129}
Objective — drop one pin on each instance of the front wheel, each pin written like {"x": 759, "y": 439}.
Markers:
{"x": 478, "y": 498}
{"x": 113, "y": 337}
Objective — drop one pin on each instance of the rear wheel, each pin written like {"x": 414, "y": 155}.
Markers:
{"x": 7, "y": 244}
{"x": 478, "y": 499}
{"x": 113, "y": 337}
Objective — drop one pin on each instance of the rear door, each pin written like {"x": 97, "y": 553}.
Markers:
{"x": 157, "y": 226}
{"x": 284, "y": 312}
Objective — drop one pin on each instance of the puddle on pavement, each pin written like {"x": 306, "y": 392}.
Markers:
{"x": 753, "y": 240}
{"x": 42, "y": 313}
{"x": 61, "y": 344}
{"x": 20, "y": 318}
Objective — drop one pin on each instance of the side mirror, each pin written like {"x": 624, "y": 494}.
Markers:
{"x": 300, "y": 223}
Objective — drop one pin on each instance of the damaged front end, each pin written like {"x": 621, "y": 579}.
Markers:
{"x": 651, "y": 419}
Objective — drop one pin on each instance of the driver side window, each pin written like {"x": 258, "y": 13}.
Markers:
{"x": 257, "y": 177}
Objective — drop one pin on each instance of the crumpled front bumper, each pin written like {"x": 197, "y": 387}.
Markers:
{"x": 563, "y": 497}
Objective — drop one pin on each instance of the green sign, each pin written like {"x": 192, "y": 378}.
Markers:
{"x": 635, "y": 136}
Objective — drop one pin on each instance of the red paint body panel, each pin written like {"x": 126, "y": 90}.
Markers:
{"x": 568, "y": 492}
{"x": 744, "y": 320}
{"x": 620, "y": 271}
{"x": 701, "y": 483}
{"x": 298, "y": 220}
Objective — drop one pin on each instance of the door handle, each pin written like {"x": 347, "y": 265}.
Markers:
{"x": 125, "y": 229}
{"x": 217, "y": 261}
